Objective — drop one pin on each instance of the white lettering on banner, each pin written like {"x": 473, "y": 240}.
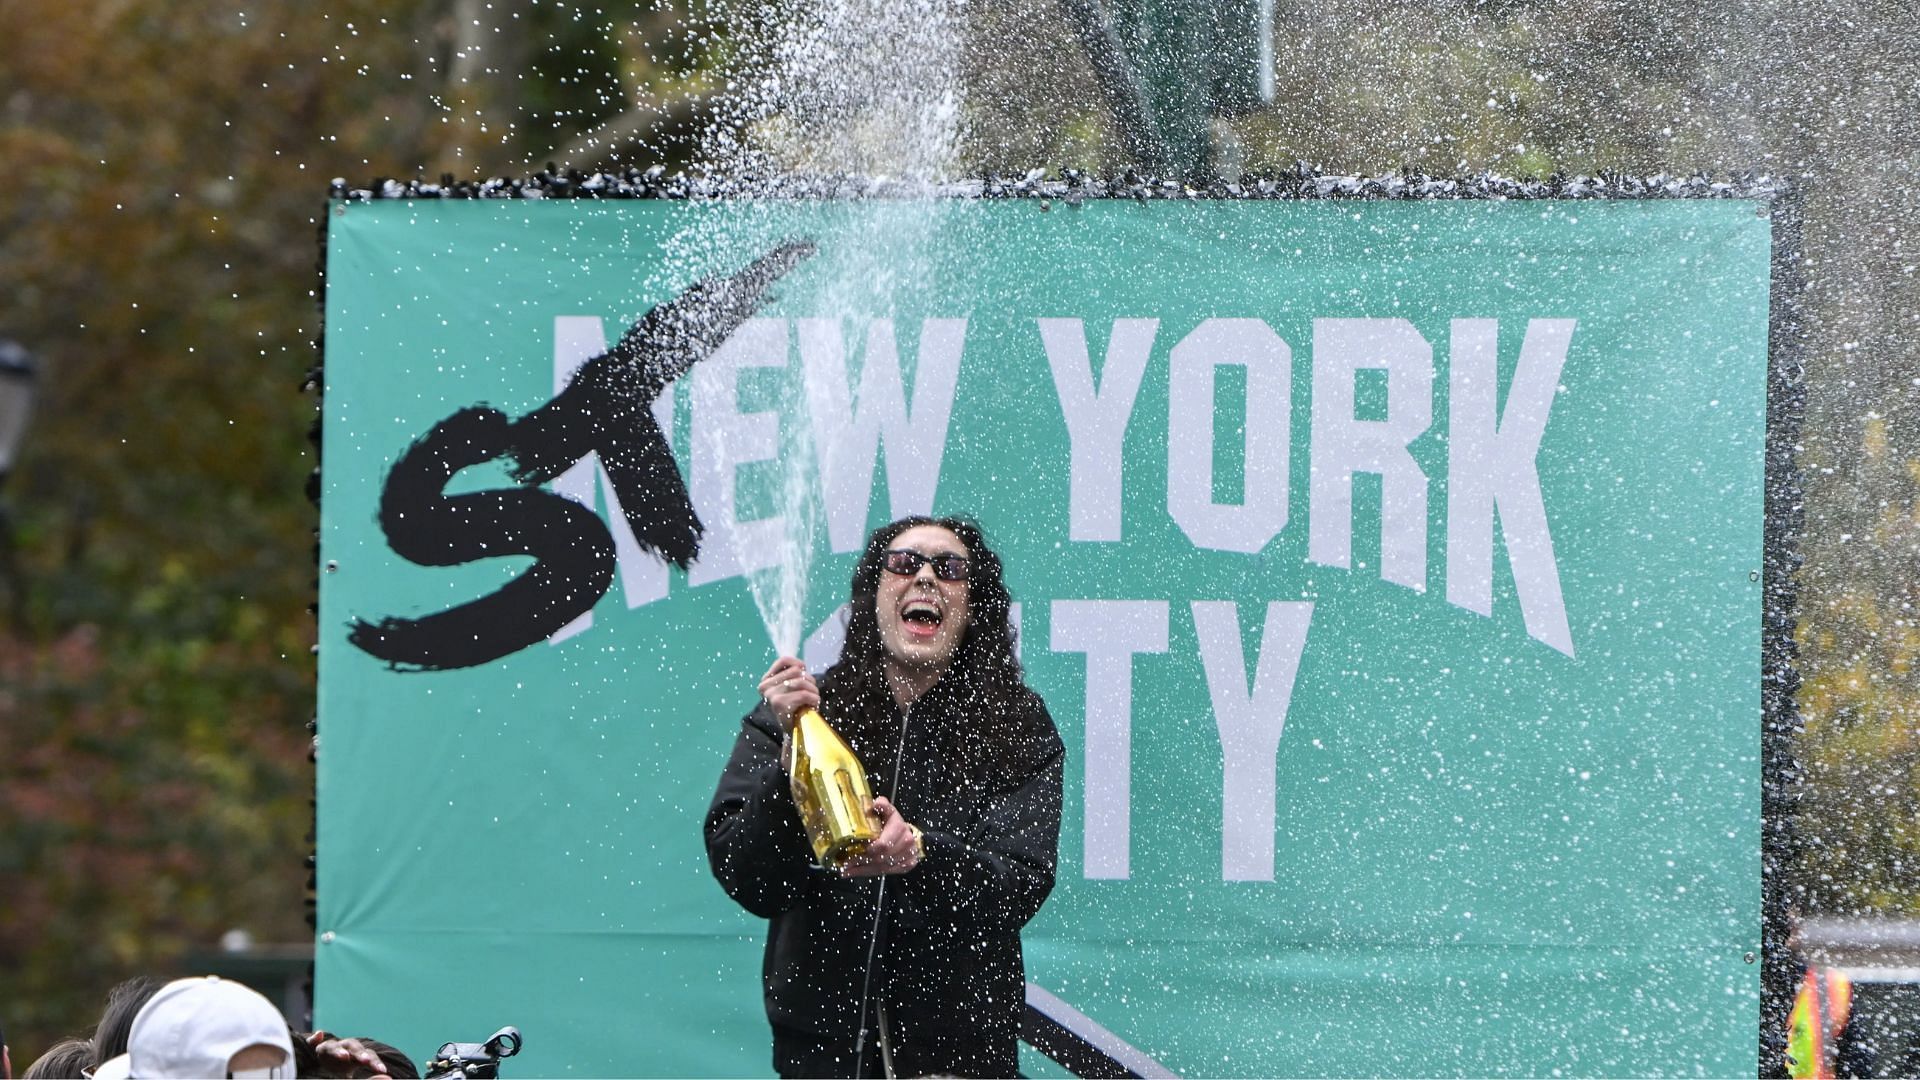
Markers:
{"x": 1096, "y": 416}
{"x": 1262, "y": 510}
{"x": 1250, "y": 724}
{"x": 643, "y": 574}
{"x": 1493, "y": 466}
{"x": 724, "y": 438}
{"x": 1109, "y": 632}
{"x": 1492, "y": 451}
{"x": 848, "y": 430}
{"x": 1343, "y": 444}
{"x": 822, "y": 648}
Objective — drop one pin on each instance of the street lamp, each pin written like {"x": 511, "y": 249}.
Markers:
{"x": 18, "y": 373}
{"x": 1170, "y": 68}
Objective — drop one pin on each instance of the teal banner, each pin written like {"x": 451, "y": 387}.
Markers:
{"x": 1391, "y": 569}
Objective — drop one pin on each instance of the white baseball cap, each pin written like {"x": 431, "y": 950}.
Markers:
{"x": 194, "y": 1027}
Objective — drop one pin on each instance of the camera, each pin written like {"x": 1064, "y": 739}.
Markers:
{"x": 479, "y": 1061}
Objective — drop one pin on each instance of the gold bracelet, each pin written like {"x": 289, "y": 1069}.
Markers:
{"x": 919, "y": 844}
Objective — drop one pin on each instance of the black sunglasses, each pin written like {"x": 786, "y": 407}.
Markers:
{"x": 908, "y": 563}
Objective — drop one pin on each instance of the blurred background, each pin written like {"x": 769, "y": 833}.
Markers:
{"x": 164, "y": 169}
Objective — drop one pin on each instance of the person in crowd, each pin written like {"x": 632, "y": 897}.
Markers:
{"x": 907, "y": 961}
{"x": 68, "y": 1059}
{"x": 320, "y": 1054}
{"x": 204, "y": 1027}
{"x": 116, "y": 1020}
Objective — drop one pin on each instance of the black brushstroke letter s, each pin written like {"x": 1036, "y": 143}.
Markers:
{"x": 605, "y": 409}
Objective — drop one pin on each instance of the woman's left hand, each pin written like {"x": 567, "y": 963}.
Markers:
{"x": 895, "y": 851}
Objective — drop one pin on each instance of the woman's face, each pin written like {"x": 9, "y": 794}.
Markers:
{"x": 923, "y": 616}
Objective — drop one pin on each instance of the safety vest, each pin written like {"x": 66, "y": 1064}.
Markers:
{"x": 1819, "y": 1013}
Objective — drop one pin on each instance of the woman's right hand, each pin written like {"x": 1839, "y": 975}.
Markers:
{"x": 788, "y": 688}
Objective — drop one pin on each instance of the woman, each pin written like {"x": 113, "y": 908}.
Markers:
{"x": 907, "y": 961}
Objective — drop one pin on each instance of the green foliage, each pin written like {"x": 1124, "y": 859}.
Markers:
{"x": 1860, "y": 800}
{"x": 160, "y": 250}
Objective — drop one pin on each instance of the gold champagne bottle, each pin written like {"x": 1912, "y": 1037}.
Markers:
{"x": 830, "y": 788}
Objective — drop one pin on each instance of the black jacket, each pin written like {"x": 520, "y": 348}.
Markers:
{"x": 948, "y": 968}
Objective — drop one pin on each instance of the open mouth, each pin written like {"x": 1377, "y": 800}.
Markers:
{"x": 921, "y": 618}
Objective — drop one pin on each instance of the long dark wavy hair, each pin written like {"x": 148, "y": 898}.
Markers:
{"x": 984, "y": 677}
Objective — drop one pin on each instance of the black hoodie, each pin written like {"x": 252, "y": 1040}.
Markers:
{"x": 948, "y": 967}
